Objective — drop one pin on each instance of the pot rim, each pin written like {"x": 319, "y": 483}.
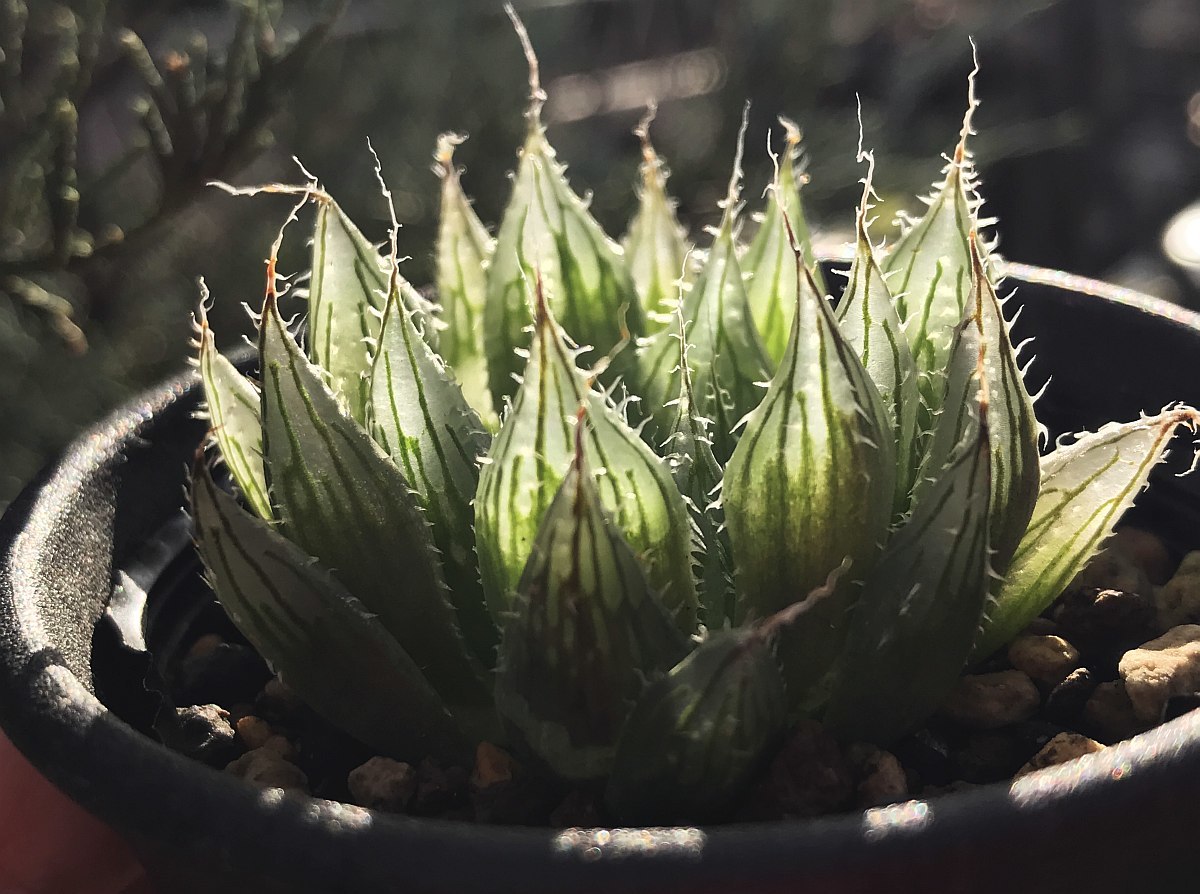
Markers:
{"x": 135, "y": 783}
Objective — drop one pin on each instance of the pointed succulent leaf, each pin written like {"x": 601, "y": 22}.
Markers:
{"x": 587, "y": 633}
{"x": 234, "y": 417}
{"x": 1011, "y": 421}
{"x": 867, "y": 318}
{"x": 698, "y": 735}
{"x": 655, "y": 246}
{"x": 530, "y": 457}
{"x": 768, "y": 262}
{"x": 728, "y": 362}
{"x": 688, "y": 451}
{"x": 929, "y": 269}
{"x": 1014, "y": 430}
{"x": 347, "y": 295}
{"x": 325, "y": 644}
{"x": 464, "y": 251}
{"x": 421, "y": 419}
{"x": 342, "y": 500}
{"x": 914, "y": 623}
{"x": 811, "y": 483}
{"x": 547, "y": 231}
{"x": 1086, "y": 487}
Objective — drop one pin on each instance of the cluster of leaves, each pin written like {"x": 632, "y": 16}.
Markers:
{"x": 634, "y": 509}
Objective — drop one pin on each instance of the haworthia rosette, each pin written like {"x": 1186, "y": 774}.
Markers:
{"x": 421, "y": 419}
{"x": 587, "y": 634}
{"x": 867, "y": 318}
{"x": 323, "y": 642}
{"x": 729, "y": 364}
{"x": 912, "y": 628}
{"x": 464, "y": 251}
{"x": 234, "y": 418}
{"x": 341, "y": 499}
{"x": 530, "y": 457}
{"x": 811, "y": 483}
{"x": 655, "y": 245}
{"x": 768, "y": 262}
{"x": 1086, "y": 486}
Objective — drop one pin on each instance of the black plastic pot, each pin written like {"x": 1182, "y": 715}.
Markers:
{"x": 97, "y": 518}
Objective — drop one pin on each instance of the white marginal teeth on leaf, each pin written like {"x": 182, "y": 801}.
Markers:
{"x": 347, "y": 295}
{"x": 464, "y": 251}
{"x": 981, "y": 343}
{"x": 530, "y": 457}
{"x": 655, "y": 245}
{"x": 867, "y": 318}
{"x": 322, "y": 640}
{"x": 811, "y": 483}
{"x": 547, "y": 231}
{"x": 342, "y": 500}
{"x": 769, "y": 263}
{"x": 727, "y": 359}
{"x": 1013, "y": 426}
{"x": 587, "y": 633}
{"x": 421, "y": 419}
{"x": 912, "y": 628}
{"x": 929, "y": 269}
{"x": 698, "y": 735}
{"x": 235, "y": 422}
{"x": 697, "y": 473}
{"x": 1086, "y": 487}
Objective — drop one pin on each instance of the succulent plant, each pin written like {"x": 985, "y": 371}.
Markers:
{"x": 812, "y": 510}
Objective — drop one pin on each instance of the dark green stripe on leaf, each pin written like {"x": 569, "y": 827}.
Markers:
{"x": 1086, "y": 488}
{"x": 342, "y": 500}
{"x": 587, "y": 632}
{"x": 531, "y": 455}
{"x": 810, "y": 484}
{"x": 769, "y": 263}
{"x": 698, "y": 735}
{"x": 347, "y": 295}
{"x": 547, "y": 232}
{"x": 234, "y": 416}
{"x": 728, "y": 364}
{"x": 325, "y": 644}
{"x": 913, "y": 625}
{"x": 421, "y": 419}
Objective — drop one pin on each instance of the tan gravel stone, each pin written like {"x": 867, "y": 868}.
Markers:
{"x": 1144, "y": 549}
{"x": 253, "y": 731}
{"x": 266, "y": 769}
{"x": 990, "y": 701}
{"x": 1047, "y": 659}
{"x": 1062, "y": 748}
{"x": 1109, "y": 713}
{"x": 493, "y": 765}
{"x": 880, "y": 776}
{"x": 1161, "y": 668}
{"x": 383, "y": 784}
{"x": 1178, "y": 601}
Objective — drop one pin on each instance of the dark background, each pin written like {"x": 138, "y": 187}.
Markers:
{"x": 1089, "y": 143}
